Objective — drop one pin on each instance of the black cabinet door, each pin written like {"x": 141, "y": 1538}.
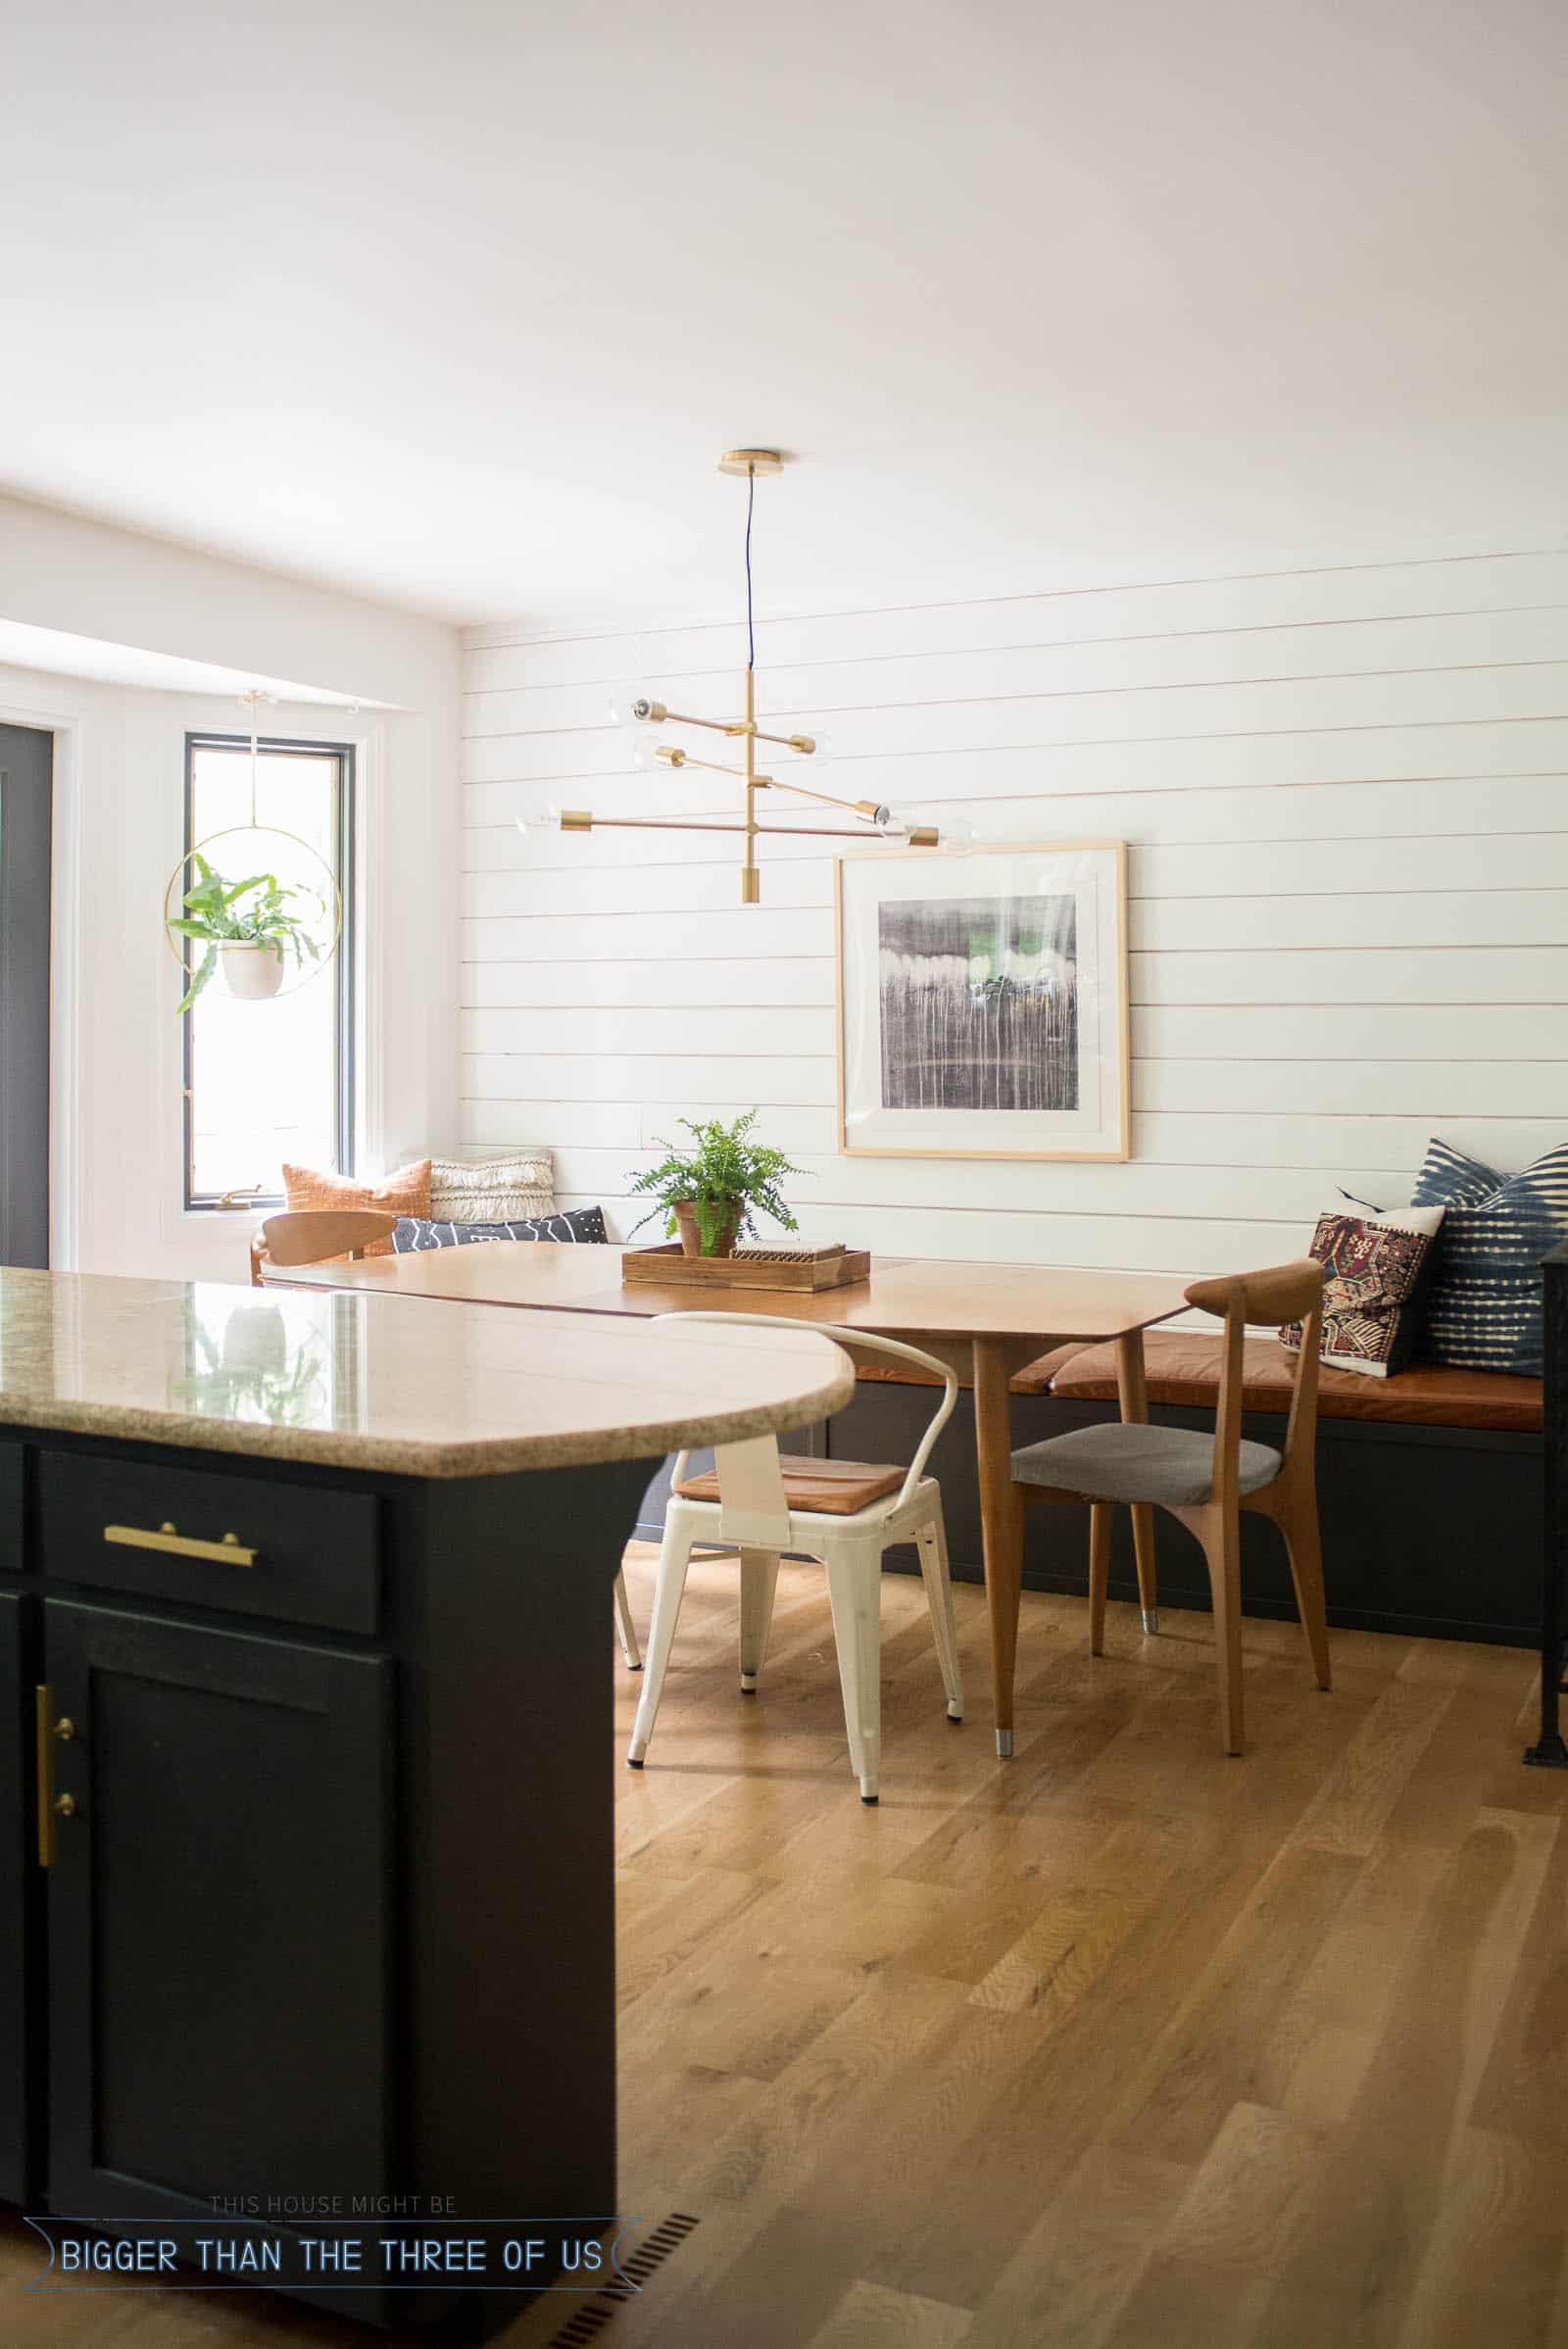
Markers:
{"x": 18, "y": 1877}
{"x": 219, "y": 1918}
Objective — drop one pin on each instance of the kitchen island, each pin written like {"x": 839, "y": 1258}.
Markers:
{"x": 306, "y": 1894}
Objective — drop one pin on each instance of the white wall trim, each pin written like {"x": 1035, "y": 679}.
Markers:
{"x": 374, "y": 945}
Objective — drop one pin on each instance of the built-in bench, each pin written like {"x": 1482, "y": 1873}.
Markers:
{"x": 1430, "y": 1485}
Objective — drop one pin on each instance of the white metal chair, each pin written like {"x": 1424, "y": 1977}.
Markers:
{"x": 843, "y": 1512}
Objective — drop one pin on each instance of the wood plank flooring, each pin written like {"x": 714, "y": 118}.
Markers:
{"x": 1121, "y": 2043}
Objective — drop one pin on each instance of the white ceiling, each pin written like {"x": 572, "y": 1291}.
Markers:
{"x": 456, "y": 304}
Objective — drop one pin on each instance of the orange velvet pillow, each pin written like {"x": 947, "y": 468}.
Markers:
{"x": 406, "y": 1192}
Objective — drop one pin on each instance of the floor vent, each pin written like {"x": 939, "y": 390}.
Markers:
{"x": 587, "y": 2323}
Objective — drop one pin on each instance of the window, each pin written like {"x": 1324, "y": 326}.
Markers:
{"x": 272, "y": 1080}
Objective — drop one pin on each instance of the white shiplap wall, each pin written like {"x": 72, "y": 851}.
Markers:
{"x": 1345, "y": 791}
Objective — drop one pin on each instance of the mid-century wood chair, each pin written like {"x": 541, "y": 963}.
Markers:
{"x": 310, "y": 1236}
{"x": 843, "y": 1512}
{"x": 1206, "y": 1484}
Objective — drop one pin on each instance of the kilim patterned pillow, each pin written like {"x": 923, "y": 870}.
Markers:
{"x": 1484, "y": 1310}
{"x": 412, "y": 1235}
{"x": 1374, "y": 1267}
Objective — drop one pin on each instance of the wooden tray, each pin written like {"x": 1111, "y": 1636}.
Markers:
{"x": 749, "y": 1268}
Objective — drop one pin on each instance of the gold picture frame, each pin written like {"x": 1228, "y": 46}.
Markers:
{"x": 1100, "y": 1011}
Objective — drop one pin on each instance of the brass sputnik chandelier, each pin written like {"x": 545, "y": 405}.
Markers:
{"x": 637, "y": 708}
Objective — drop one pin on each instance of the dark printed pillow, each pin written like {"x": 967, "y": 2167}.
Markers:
{"x": 1484, "y": 1310}
{"x": 1373, "y": 1269}
{"x": 412, "y": 1234}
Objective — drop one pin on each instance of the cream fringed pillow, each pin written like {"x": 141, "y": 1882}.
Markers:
{"x": 406, "y": 1192}
{"x": 493, "y": 1190}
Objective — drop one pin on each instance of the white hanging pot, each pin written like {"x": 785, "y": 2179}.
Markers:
{"x": 252, "y": 973}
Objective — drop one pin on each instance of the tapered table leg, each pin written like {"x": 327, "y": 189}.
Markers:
{"x": 1000, "y": 1523}
{"x": 1134, "y": 1400}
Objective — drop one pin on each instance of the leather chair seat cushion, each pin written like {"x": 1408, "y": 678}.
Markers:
{"x": 823, "y": 1487}
{"x": 1112, "y": 1462}
{"x": 1183, "y": 1368}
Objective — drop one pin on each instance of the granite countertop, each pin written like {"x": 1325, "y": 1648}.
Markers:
{"x": 404, "y": 1385}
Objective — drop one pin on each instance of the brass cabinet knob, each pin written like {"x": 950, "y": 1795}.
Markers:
{"x": 65, "y": 1729}
{"x": 66, "y": 1806}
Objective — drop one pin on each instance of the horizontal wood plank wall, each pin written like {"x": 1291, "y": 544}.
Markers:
{"x": 1345, "y": 791}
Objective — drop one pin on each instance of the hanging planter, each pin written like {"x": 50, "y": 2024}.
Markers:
{"x": 250, "y": 928}
{"x": 240, "y": 904}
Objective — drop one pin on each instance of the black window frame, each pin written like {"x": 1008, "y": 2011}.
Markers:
{"x": 342, "y": 980}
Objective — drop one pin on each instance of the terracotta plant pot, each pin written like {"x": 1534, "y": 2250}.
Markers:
{"x": 252, "y": 973}
{"x": 691, "y": 1241}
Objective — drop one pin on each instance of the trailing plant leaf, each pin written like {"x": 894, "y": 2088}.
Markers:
{"x": 209, "y": 964}
{"x": 726, "y": 1172}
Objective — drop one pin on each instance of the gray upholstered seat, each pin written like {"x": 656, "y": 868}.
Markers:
{"x": 1117, "y": 1463}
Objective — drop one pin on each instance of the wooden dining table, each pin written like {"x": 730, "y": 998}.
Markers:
{"x": 987, "y": 1321}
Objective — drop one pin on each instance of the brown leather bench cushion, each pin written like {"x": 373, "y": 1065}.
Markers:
{"x": 1034, "y": 1378}
{"x": 827, "y": 1488}
{"x": 1182, "y": 1368}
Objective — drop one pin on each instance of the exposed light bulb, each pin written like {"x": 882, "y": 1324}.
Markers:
{"x": 635, "y": 705}
{"x": 900, "y": 823}
{"x": 958, "y": 835}
{"x": 545, "y": 819}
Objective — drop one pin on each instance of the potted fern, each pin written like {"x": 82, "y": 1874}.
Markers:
{"x": 706, "y": 1195}
{"x": 248, "y": 925}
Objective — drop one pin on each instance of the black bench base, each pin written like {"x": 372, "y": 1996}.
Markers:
{"x": 1434, "y": 1532}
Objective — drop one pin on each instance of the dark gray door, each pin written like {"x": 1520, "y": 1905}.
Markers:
{"x": 27, "y": 776}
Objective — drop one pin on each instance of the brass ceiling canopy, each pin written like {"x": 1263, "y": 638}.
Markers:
{"x": 638, "y": 709}
{"x": 751, "y": 463}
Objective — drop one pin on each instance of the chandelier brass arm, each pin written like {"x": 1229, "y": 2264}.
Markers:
{"x": 579, "y": 819}
{"x": 671, "y": 754}
{"x": 654, "y": 714}
{"x": 872, "y": 811}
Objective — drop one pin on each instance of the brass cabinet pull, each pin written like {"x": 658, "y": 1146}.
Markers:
{"x": 48, "y": 1807}
{"x": 231, "y": 1552}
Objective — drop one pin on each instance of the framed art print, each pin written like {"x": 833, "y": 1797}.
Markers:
{"x": 983, "y": 1003}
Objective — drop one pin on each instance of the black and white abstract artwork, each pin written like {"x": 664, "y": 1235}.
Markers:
{"x": 978, "y": 1003}
{"x": 982, "y": 1002}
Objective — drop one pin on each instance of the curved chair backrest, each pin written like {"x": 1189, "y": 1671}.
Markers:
{"x": 310, "y": 1235}
{"x": 765, "y": 1492}
{"x": 1280, "y": 1293}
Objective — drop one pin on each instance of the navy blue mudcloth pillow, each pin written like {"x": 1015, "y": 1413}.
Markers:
{"x": 412, "y": 1233}
{"x": 1483, "y": 1306}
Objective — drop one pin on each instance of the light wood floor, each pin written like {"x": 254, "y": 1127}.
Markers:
{"x": 1120, "y": 2045}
